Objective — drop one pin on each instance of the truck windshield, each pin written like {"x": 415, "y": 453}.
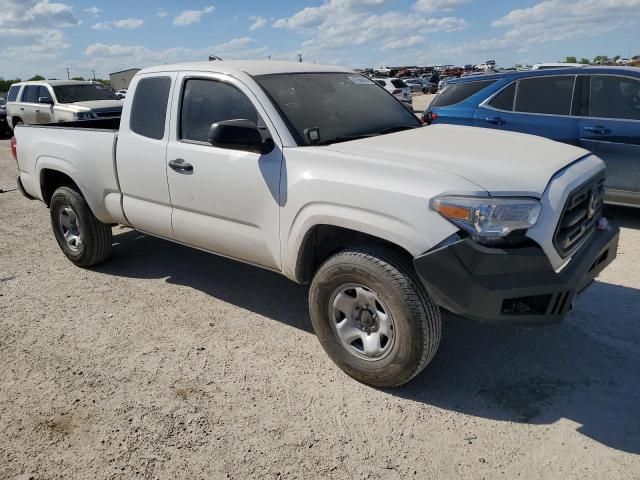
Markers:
{"x": 335, "y": 106}
{"x": 82, "y": 93}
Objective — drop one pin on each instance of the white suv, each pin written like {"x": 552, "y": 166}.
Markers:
{"x": 397, "y": 88}
{"x": 56, "y": 101}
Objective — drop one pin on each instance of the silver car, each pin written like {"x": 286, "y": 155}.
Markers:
{"x": 55, "y": 101}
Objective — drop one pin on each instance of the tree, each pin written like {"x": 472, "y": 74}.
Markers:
{"x": 570, "y": 60}
{"x": 601, "y": 59}
{"x": 78, "y": 78}
{"x": 616, "y": 58}
{"x": 585, "y": 61}
{"x": 5, "y": 84}
{"x": 36, "y": 78}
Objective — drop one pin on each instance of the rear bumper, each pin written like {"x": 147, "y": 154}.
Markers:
{"x": 515, "y": 286}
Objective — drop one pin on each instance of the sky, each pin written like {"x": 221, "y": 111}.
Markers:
{"x": 47, "y": 37}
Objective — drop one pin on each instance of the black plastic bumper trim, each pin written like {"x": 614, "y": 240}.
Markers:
{"x": 477, "y": 282}
{"x": 22, "y": 190}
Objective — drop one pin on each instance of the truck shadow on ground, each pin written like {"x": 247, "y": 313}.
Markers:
{"x": 585, "y": 369}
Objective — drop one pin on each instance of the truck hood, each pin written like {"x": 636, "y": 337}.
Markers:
{"x": 502, "y": 163}
{"x": 93, "y": 105}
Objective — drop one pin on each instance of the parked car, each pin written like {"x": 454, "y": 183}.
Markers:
{"x": 443, "y": 82}
{"x": 122, "y": 93}
{"x": 551, "y": 65}
{"x": 421, "y": 85}
{"x": 397, "y": 88}
{"x": 316, "y": 173}
{"x": 596, "y": 108}
{"x": 4, "y": 125}
{"x": 53, "y": 101}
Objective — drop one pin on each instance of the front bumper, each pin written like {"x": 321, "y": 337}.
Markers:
{"x": 517, "y": 285}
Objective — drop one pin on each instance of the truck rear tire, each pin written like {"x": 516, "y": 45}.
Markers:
{"x": 84, "y": 239}
{"x": 373, "y": 317}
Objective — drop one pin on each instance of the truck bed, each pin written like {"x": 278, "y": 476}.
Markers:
{"x": 97, "y": 124}
{"x": 82, "y": 150}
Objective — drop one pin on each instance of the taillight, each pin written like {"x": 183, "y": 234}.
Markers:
{"x": 397, "y": 92}
{"x": 14, "y": 148}
{"x": 431, "y": 117}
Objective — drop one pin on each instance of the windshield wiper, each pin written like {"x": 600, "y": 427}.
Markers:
{"x": 346, "y": 138}
{"x": 397, "y": 128}
{"x": 384, "y": 131}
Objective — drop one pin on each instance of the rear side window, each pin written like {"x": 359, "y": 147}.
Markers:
{"x": 13, "y": 93}
{"x": 30, "y": 94}
{"x": 398, "y": 83}
{"x": 206, "y": 102}
{"x": 149, "y": 109}
{"x": 458, "y": 92}
{"x": 614, "y": 97}
{"x": 382, "y": 83}
{"x": 504, "y": 100}
{"x": 548, "y": 95}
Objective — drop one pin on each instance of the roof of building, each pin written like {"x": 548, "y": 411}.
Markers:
{"x": 125, "y": 71}
{"x": 250, "y": 67}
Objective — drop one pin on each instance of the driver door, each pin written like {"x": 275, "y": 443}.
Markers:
{"x": 224, "y": 201}
{"x": 44, "y": 112}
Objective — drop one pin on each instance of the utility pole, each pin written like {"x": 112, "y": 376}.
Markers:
{"x": 300, "y": 57}
{"x": 94, "y": 75}
{"x": 269, "y": 57}
{"x": 68, "y": 75}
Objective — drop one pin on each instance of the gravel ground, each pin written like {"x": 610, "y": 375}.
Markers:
{"x": 166, "y": 362}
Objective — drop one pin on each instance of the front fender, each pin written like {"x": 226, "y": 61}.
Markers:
{"x": 395, "y": 230}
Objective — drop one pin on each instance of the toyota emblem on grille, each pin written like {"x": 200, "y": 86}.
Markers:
{"x": 593, "y": 205}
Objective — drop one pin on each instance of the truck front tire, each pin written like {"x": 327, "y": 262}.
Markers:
{"x": 373, "y": 317}
{"x": 82, "y": 237}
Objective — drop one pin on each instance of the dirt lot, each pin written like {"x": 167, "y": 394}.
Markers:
{"x": 168, "y": 362}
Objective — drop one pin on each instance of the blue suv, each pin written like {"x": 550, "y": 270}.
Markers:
{"x": 597, "y": 108}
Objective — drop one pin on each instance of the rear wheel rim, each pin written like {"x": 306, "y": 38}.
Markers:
{"x": 70, "y": 229}
{"x": 361, "y": 321}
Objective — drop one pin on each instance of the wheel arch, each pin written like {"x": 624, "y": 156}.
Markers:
{"x": 322, "y": 241}
{"x": 51, "y": 180}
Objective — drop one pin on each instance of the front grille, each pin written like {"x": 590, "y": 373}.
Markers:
{"x": 108, "y": 113}
{"x": 580, "y": 216}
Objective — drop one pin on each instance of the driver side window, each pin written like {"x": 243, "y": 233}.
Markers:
{"x": 205, "y": 102}
{"x": 43, "y": 95}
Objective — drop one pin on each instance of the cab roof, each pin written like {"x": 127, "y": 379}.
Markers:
{"x": 249, "y": 67}
{"x": 55, "y": 83}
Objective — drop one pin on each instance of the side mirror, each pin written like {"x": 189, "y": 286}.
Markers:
{"x": 46, "y": 100}
{"x": 239, "y": 134}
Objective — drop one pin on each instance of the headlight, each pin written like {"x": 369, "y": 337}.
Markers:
{"x": 84, "y": 115}
{"x": 489, "y": 220}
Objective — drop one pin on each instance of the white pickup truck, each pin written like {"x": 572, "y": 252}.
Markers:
{"x": 319, "y": 174}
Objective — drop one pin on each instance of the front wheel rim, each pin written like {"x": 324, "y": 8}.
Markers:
{"x": 361, "y": 321}
{"x": 70, "y": 229}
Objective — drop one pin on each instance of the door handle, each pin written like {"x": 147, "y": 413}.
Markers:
{"x": 22, "y": 108}
{"x": 37, "y": 111}
{"x": 598, "y": 129}
{"x": 495, "y": 120}
{"x": 180, "y": 166}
